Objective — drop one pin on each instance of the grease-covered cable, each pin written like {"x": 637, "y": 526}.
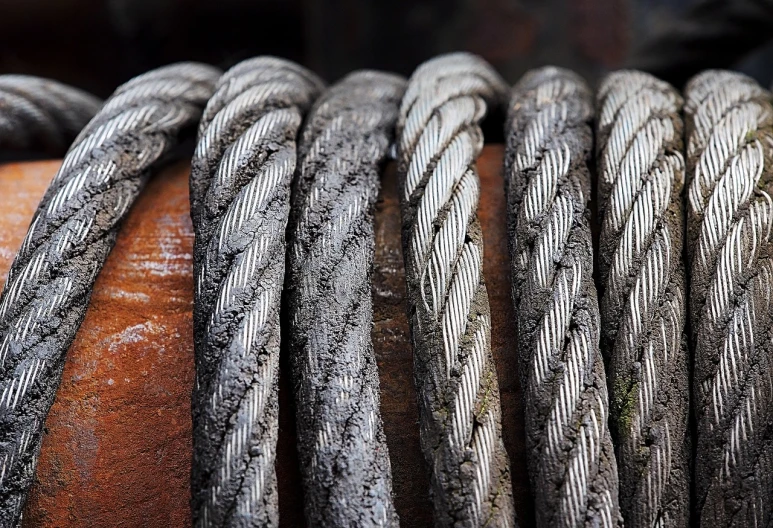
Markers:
{"x": 38, "y": 113}
{"x": 643, "y": 312}
{"x": 439, "y": 140}
{"x": 570, "y": 454}
{"x": 240, "y": 200}
{"x": 730, "y": 217}
{"x": 341, "y": 442}
{"x": 71, "y": 234}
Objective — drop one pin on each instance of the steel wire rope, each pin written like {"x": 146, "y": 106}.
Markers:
{"x": 72, "y": 232}
{"x": 341, "y": 443}
{"x": 570, "y": 453}
{"x": 241, "y": 174}
{"x": 439, "y": 140}
{"x": 730, "y": 215}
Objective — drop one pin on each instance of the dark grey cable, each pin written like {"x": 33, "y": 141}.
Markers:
{"x": 344, "y": 458}
{"x": 570, "y": 454}
{"x": 641, "y": 175}
{"x": 730, "y": 217}
{"x": 439, "y": 140}
{"x": 49, "y": 284}
{"x": 38, "y": 113}
{"x": 240, "y": 200}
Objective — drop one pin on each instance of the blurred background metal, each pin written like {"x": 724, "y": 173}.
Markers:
{"x": 98, "y": 44}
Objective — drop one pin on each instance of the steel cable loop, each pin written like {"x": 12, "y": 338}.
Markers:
{"x": 49, "y": 284}
{"x": 38, "y": 113}
{"x": 240, "y": 200}
{"x": 439, "y": 140}
{"x": 341, "y": 442}
{"x": 641, "y": 176}
{"x": 571, "y": 459}
{"x": 730, "y": 216}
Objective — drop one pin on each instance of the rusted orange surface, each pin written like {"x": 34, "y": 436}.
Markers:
{"x": 496, "y": 271}
{"x": 117, "y": 450}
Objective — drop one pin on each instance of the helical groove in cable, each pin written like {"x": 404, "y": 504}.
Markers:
{"x": 439, "y": 140}
{"x": 38, "y": 113}
{"x": 341, "y": 443}
{"x": 570, "y": 454}
{"x": 640, "y": 180}
{"x": 730, "y": 216}
{"x": 71, "y": 234}
{"x": 241, "y": 174}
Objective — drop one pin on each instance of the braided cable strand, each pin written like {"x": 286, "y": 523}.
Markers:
{"x": 49, "y": 284}
{"x": 641, "y": 175}
{"x": 730, "y": 216}
{"x": 240, "y": 200}
{"x": 42, "y": 113}
{"x": 439, "y": 142}
{"x": 571, "y": 459}
{"x": 341, "y": 442}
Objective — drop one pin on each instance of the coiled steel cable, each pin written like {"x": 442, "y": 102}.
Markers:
{"x": 439, "y": 139}
{"x": 730, "y": 169}
{"x": 341, "y": 442}
{"x": 641, "y": 175}
{"x": 49, "y": 284}
{"x": 38, "y": 113}
{"x": 571, "y": 460}
{"x": 240, "y": 200}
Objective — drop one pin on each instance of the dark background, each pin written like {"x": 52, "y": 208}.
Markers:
{"x": 98, "y": 44}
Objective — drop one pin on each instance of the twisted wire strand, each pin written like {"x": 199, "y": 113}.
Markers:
{"x": 571, "y": 460}
{"x": 240, "y": 199}
{"x": 641, "y": 175}
{"x": 38, "y": 113}
{"x": 439, "y": 140}
{"x": 49, "y": 284}
{"x": 730, "y": 216}
{"x": 341, "y": 442}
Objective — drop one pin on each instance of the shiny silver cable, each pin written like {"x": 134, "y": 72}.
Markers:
{"x": 641, "y": 176}
{"x": 341, "y": 443}
{"x": 571, "y": 459}
{"x": 439, "y": 140}
{"x": 71, "y": 234}
{"x": 730, "y": 216}
{"x": 240, "y": 199}
{"x": 42, "y": 113}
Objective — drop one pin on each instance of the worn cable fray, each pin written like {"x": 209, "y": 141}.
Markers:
{"x": 439, "y": 142}
{"x": 49, "y": 284}
{"x": 240, "y": 199}
{"x": 571, "y": 459}
{"x": 38, "y": 113}
{"x": 641, "y": 175}
{"x": 341, "y": 442}
{"x": 730, "y": 215}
